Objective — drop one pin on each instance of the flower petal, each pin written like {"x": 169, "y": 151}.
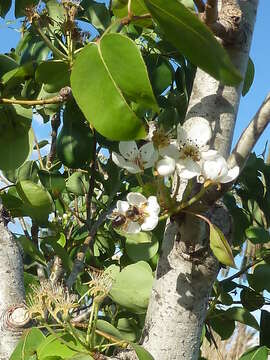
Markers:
{"x": 136, "y": 199}
{"x": 150, "y": 222}
{"x": 187, "y": 168}
{"x": 122, "y": 206}
{"x": 148, "y": 154}
{"x": 182, "y": 136}
{"x": 123, "y": 163}
{"x": 232, "y": 175}
{"x": 209, "y": 154}
{"x": 133, "y": 227}
{"x": 166, "y": 166}
{"x": 170, "y": 151}
{"x": 198, "y": 130}
{"x": 152, "y": 205}
{"x": 128, "y": 149}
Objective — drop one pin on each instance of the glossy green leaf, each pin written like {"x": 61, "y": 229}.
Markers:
{"x": 140, "y": 238}
{"x": 160, "y": 72}
{"x": 257, "y": 235}
{"x": 37, "y": 200}
{"x": 220, "y": 247}
{"x": 193, "y": 39}
{"x": 31, "y": 249}
{"x": 52, "y": 181}
{"x": 222, "y": 325}
{"x": 108, "y": 328}
{"x": 16, "y": 140}
{"x": 6, "y": 64}
{"x": 118, "y": 86}
{"x": 54, "y": 74}
{"x": 95, "y": 13}
{"x": 77, "y": 183}
{"x": 28, "y": 344}
{"x": 128, "y": 328}
{"x": 141, "y": 352}
{"x": 28, "y": 171}
{"x": 141, "y": 251}
{"x": 243, "y": 316}
{"x": 11, "y": 79}
{"x": 31, "y": 47}
{"x": 53, "y": 346}
{"x": 249, "y": 77}
{"x": 264, "y": 325}
{"x": 256, "y": 353}
{"x": 132, "y": 287}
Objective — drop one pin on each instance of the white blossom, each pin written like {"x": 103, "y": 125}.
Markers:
{"x": 135, "y": 160}
{"x": 215, "y": 168}
{"x": 188, "y": 150}
{"x": 136, "y": 214}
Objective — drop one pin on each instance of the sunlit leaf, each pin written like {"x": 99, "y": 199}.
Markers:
{"x": 221, "y": 247}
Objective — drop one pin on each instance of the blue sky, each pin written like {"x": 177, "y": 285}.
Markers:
{"x": 260, "y": 54}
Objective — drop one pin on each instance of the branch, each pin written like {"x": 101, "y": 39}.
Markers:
{"x": 64, "y": 95}
{"x": 199, "y": 5}
{"x": 250, "y": 136}
{"x": 90, "y": 193}
{"x": 210, "y": 14}
{"x": 55, "y": 123}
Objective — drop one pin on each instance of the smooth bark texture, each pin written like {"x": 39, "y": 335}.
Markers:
{"x": 11, "y": 292}
{"x": 184, "y": 278}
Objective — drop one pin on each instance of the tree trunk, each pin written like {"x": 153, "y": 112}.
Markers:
{"x": 12, "y": 314}
{"x": 184, "y": 279}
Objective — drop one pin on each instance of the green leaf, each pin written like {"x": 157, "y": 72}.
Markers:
{"x": 28, "y": 171}
{"x": 128, "y": 328}
{"x": 264, "y": 325}
{"x": 53, "y": 346}
{"x": 259, "y": 279}
{"x": 223, "y": 326}
{"x": 249, "y": 77}
{"x": 132, "y": 287}
{"x": 251, "y": 300}
{"x": 108, "y": 328}
{"x": 53, "y": 182}
{"x": 193, "y": 39}
{"x": 95, "y": 13}
{"x": 41, "y": 144}
{"x": 36, "y": 199}
{"x": 220, "y": 247}
{"x": 160, "y": 72}
{"x": 77, "y": 183}
{"x": 16, "y": 140}
{"x": 6, "y": 64}
{"x": 30, "y": 248}
{"x": 54, "y": 74}
{"x": 80, "y": 356}
{"x": 56, "y": 243}
{"x": 141, "y": 352}
{"x": 140, "y": 238}
{"x": 112, "y": 58}
{"x": 141, "y": 251}
{"x": 28, "y": 344}
{"x": 257, "y": 235}
{"x": 243, "y": 316}
{"x": 17, "y": 76}
{"x": 256, "y": 353}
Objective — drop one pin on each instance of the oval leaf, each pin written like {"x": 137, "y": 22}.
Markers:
{"x": 250, "y": 73}
{"x": 257, "y": 353}
{"x": 220, "y": 246}
{"x": 243, "y": 316}
{"x": 193, "y": 39}
{"x": 112, "y": 78}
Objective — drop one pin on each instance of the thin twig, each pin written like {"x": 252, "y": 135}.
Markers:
{"x": 38, "y": 151}
{"x": 55, "y": 123}
{"x": 242, "y": 271}
{"x": 90, "y": 192}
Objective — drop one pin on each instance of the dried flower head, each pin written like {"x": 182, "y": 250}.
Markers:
{"x": 100, "y": 285}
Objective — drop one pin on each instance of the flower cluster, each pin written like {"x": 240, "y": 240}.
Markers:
{"x": 136, "y": 214}
{"x": 189, "y": 155}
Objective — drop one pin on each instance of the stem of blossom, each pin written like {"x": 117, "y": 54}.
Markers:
{"x": 90, "y": 335}
{"x": 140, "y": 180}
{"x": 109, "y": 337}
{"x": 57, "y": 53}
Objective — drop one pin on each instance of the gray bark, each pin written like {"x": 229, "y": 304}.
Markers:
{"x": 183, "y": 282}
{"x": 12, "y": 315}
